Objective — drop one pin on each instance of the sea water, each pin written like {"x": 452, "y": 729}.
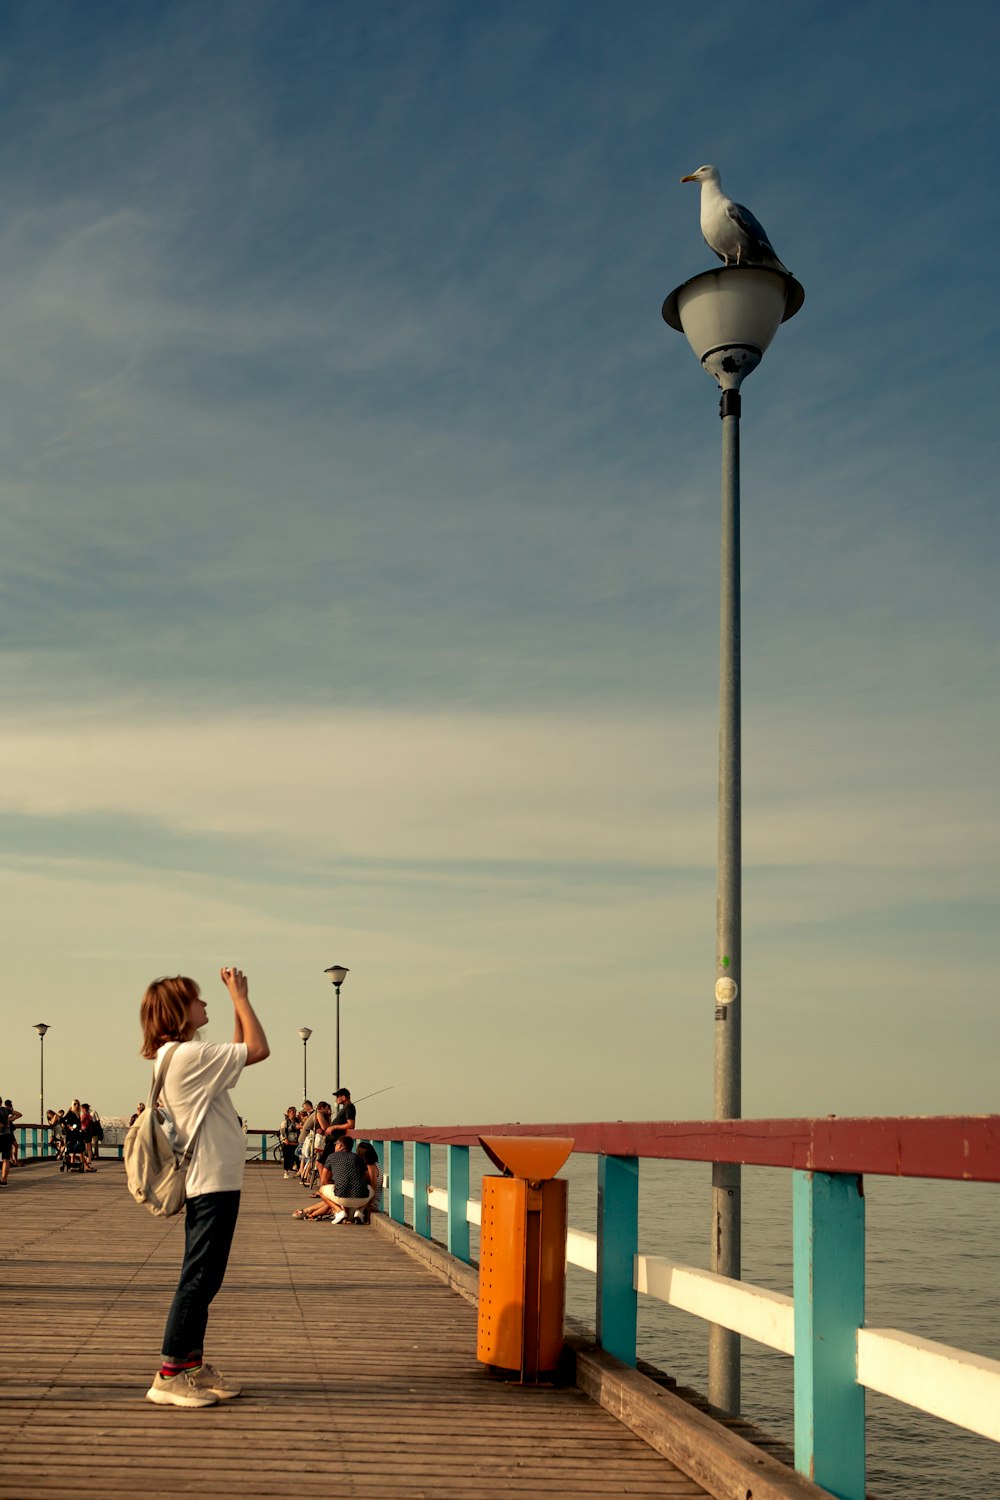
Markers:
{"x": 931, "y": 1270}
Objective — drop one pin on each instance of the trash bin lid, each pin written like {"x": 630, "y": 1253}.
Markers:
{"x": 529, "y": 1156}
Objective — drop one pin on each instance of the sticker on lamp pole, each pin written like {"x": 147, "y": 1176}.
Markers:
{"x": 726, "y": 990}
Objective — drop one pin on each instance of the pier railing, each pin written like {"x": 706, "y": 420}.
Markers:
{"x": 822, "y": 1324}
{"x": 837, "y": 1357}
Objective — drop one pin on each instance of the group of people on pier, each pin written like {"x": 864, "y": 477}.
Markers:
{"x": 318, "y": 1151}
{"x": 309, "y": 1135}
{"x": 74, "y": 1134}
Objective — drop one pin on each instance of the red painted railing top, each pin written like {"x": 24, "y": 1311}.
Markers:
{"x": 962, "y": 1147}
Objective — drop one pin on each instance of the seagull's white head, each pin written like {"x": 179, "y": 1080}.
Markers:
{"x": 704, "y": 174}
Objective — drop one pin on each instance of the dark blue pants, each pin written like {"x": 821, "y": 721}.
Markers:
{"x": 209, "y": 1225}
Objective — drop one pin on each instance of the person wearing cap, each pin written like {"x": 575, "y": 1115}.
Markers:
{"x": 342, "y": 1123}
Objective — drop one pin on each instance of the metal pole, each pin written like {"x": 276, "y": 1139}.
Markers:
{"x": 724, "y": 1346}
{"x": 41, "y": 1085}
{"x": 305, "y": 1069}
{"x": 337, "y": 988}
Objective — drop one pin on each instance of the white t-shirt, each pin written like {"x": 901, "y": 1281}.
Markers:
{"x": 201, "y": 1074}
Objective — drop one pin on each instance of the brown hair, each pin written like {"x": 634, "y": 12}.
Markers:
{"x": 163, "y": 1013}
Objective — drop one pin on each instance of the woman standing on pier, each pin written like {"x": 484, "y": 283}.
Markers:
{"x": 195, "y": 1093}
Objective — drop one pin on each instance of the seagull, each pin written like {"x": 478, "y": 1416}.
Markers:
{"x": 729, "y": 229}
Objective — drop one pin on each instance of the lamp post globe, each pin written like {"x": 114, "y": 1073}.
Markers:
{"x": 338, "y": 973}
{"x": 305, "y": 1032}
{"x": 729, "y": 317}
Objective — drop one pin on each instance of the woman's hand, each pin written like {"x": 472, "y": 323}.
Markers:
{"x": 236, "y": 983}
{"x": 246, "y": 1027}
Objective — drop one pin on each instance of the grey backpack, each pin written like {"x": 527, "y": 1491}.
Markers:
{"x": 155, "y": 1169}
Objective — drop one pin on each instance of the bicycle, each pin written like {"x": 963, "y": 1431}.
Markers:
{"x": 311, "y": 1177}
{"x": 274, "y": 1152}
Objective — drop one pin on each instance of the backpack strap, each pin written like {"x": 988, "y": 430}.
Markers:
{"x": 159, "y": 1075}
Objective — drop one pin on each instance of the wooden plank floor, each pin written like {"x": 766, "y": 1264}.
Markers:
{"x": 359, "y": 1368}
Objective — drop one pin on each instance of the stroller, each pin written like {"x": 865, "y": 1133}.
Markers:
{"x": 73, "y": 1157}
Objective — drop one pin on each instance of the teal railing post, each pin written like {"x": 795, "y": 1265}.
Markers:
{"x": 396, "y": 1181}
{"x": 458, "y": 1202}
{"x": 617, "y": 1244}
{"x": 263, "y": 1147}
{"x": 828, "y": 1280}
{"x": 421, "y": 1184}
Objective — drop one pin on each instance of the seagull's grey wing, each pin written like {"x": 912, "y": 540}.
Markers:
{"x": 753, "y": 228}
{"x": 750, "y": 226}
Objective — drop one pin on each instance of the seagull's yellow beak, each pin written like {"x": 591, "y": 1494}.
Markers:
{"x": 689, "y": 179}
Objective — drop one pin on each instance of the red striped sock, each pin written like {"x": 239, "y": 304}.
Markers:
{"x": 171, "y": 1367}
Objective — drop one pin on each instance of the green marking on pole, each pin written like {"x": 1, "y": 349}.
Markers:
{"x": 725, "y": 963}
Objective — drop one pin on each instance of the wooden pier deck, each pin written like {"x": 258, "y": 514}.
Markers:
{"x": 359, "y": 1367}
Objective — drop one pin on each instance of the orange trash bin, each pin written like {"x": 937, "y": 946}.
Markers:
{"x": 522, "y": 1257}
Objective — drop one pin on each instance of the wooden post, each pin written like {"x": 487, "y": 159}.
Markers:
{"x": 828, "y": 1281}
{"x": 617, "y": 1244}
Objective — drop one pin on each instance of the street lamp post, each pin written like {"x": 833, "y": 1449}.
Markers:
{"x": 729, "y": 317}
{"x": 337, "y": 974}
{"x": 41, "y": 1027}
{"x": 305, "y": 1032}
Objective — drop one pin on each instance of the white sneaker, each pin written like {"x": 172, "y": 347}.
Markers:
{"x": 286, "y": 1176}
{"x": 340, "y": 1218}
{"x": 179, "y": 1390}
{"x": 359, "y": 1217}
{"x": 208, "y": 1378}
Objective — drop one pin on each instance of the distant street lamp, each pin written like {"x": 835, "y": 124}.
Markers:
{"x": 41, "y": 1027}
{"x": 337, "y": 974}
{"x": 729, "y": 317}
{"x": 305, "y": 1032}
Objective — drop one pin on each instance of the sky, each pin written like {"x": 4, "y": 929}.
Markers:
{"x": 359, "y": 551}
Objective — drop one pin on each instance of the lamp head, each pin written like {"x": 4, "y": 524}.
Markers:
{"x": 305, "y": 1032}
{"x": 730, "y": 316}
{"x": 41, "y": 1027}
{"x": 337, "y": 974}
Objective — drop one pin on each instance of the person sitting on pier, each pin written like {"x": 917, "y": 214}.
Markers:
{"x": 349, "y": 1192}
{"x": 367, "y": 1153}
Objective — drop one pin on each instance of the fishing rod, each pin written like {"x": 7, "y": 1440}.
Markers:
{"x": 376, "y": 1093}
